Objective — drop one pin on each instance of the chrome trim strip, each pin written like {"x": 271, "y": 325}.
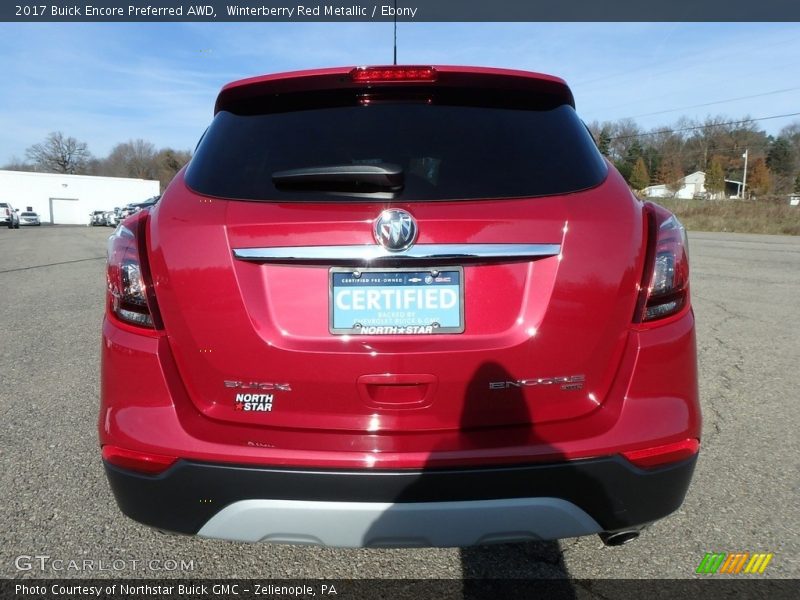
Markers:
{"x": 372, "y": 253}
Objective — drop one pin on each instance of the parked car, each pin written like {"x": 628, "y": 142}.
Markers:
{"x": 149, "y": 202}
{"x": 399, "y": 306}
{"x": 97, "y": 217}
{"x": 10, "y": 215}
{"x": 137, "y": 206}
{"x": 116, "y": 217}
{"x": 29, "y": 218}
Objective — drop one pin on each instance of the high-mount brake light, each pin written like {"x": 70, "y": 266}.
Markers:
{"x": 665, "y": 289}
{"x": 392, "y": 73}
{"x": 130, "y": 295}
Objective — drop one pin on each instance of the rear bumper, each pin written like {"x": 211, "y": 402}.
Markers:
{"x": 440, "y": 507}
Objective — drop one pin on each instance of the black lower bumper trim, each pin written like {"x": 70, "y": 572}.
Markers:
{"x": 610, "y": 489}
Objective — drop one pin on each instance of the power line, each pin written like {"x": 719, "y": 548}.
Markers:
{"x": 696, "y": 127}
{"x": 717, "y": 150}
{"x": 661, "y": 112}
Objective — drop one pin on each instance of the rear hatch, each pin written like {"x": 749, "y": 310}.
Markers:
{"x": 532, "y": 248}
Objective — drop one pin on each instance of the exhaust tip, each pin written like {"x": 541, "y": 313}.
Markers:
{"x": 618, "y": 538}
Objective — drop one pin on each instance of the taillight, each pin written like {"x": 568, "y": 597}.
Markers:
{"x": 130, "y": 290}
{"x": 143, "y": 462}
{"x": 392, "y": 73}
{"x": 665, "y": 286}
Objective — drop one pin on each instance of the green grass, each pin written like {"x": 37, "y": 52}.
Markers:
{"x": 773, "y": 216}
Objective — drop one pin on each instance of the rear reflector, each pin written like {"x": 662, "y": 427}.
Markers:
{"x": 392, "y": 73}
{"x": 662, "y": 455}
{"x": 151, "y": 464}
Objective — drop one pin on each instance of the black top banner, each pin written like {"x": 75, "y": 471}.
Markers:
{"x": 402, "y": 10}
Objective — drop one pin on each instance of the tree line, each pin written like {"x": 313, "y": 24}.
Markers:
{"x": 138, "y": 158}
{"x": 658, "y": 156}
{"x": 715, "y": 146}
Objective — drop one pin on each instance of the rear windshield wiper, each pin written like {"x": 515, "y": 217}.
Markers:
{"x": 361, "y": 179}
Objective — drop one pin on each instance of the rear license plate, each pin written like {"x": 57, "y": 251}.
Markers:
{"x": 396, "y": 301}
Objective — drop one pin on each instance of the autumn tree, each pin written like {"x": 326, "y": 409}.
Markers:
{"x": 640, "y": 178}
{"x": 792, "y": 134}
{"x": 715, "y": 177}
{"x": 632, "y": 155}
{"x": 781, "y": 160}
{"x": 671, "y": 173}
{"x": 604, "y": 141}
{"x": 59, "y": 154}
{"x": 15, "y": 164}
{"x": 704, "y": 142}
{"x": 758, "y": 180}
{"x": 624, "y": 135}
{"x": 134, "y": 158}
{"x": 780, "y": 157}
{"x": 169, "y": 163}
{"x": 141, "y": 160}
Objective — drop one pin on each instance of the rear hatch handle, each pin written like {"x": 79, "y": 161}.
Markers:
{"x": 342, "y": 178}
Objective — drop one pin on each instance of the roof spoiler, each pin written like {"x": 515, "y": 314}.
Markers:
{"x": 342, "y": 78}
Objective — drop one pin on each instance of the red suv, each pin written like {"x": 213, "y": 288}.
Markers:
{"x": 399, "y": 306}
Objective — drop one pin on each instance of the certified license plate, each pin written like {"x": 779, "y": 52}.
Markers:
{"x": 397, "y": 301}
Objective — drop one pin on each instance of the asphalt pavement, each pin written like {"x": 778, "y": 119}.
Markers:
{"x": 55, "y": 502}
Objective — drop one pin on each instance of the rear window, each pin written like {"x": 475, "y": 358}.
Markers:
{"x": 447, "y": 152}
{"x": 28, "y": 214}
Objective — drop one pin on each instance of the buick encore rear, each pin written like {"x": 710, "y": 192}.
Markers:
{"x": 399, "y": 306}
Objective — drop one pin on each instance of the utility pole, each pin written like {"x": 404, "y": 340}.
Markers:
{"x": 744, "y": 179}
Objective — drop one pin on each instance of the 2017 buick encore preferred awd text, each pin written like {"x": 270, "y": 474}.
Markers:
{"x": 399, "y": 306}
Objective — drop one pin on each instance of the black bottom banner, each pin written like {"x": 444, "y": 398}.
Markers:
{"x": 399, "y": 589}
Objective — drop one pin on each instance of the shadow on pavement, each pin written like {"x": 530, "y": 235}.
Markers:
{"x": 501, "y": 421}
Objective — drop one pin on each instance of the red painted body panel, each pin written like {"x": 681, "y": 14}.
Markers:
{"x": 652, "y": 401}
{"x": 559, "y": 316}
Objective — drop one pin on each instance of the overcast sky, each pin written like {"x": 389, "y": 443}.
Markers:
{"x": 108, "y": 83}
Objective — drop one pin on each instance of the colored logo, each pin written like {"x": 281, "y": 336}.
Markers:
{"x": 395, "y": 230}
{"x": 734, "y": 563}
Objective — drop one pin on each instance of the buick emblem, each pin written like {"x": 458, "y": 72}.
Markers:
{"x": 395, "y": 230}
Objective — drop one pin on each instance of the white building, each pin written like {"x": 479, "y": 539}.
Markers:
{"x": 69, "y": 199}
{"x": 694, "y": 183}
